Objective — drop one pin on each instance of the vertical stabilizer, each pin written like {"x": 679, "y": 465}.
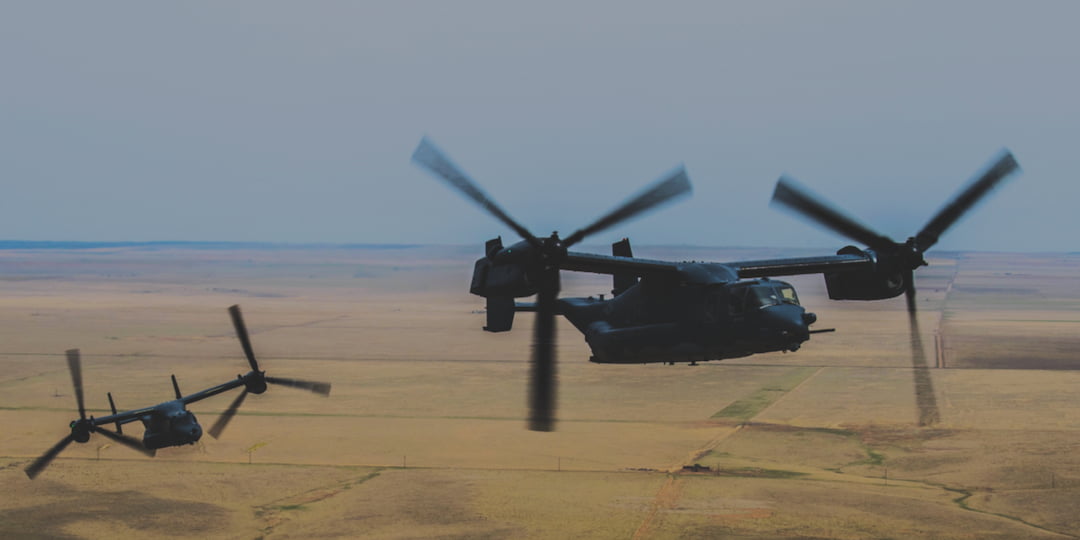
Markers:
{"x": 622, "y": 281}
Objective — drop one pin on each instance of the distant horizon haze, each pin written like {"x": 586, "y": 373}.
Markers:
{"x": 587, "y": 247}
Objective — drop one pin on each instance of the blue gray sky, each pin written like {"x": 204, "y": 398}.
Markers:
{"x": 294, "y": 121}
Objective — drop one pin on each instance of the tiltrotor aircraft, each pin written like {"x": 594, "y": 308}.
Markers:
{"x": 667, "y": 311}
{"x": 169, "y": 423}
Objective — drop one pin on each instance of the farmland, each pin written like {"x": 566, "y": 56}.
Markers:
{"x": 423, "y": 435}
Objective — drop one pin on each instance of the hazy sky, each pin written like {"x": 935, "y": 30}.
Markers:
{"x": 294, "y": 121}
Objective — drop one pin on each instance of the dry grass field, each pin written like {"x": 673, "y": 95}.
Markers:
{"x": 423, "y": 435}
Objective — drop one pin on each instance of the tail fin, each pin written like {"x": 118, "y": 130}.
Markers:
{"x": 176, "y": 387}
{"x": 112, "y": 405}
{"x": 622, "y": 281}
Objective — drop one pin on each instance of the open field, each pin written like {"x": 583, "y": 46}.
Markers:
{"x": 423, "y": 435}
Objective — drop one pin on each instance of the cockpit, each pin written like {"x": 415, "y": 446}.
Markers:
{"x": 771, "y": 294}
{"x": 755, "y": 295}
{"x": 170, "y": 424}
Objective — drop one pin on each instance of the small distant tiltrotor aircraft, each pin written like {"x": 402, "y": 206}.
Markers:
{"x": 667, "y": 311}
{"x": 169, "y": 423}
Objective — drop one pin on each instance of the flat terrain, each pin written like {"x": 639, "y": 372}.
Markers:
{"x": 423, "y": 435}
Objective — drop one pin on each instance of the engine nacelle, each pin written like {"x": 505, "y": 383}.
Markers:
{"x": 883, "y": 281}
{"x": 490, "y": 279}
{"x": 503, "y": 271}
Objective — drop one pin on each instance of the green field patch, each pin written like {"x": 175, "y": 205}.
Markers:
{"x": 874, "y": 458}
{"x": 749, "y": 406}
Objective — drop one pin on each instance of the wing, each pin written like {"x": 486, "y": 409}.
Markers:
{"x": 802, "y": 265}
{"x": 212, "y": 391}
{"x": 122, "y": 417}
{"x": 135, "y": 414}
{"x": 611, "y": 264}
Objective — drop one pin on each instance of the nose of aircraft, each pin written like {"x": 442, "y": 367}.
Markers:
{"x": 186, "y": 427}
{"x": 789, "y": 322}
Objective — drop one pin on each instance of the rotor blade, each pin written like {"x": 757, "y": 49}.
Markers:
{"x": 979, "y": 187}
{"x": 127, "y": 441}
{"x": 671, "y": 186}
{"x": 788, "y": 193}
{"x": 317, "y": 387}
{"x": 75, "y": 367}
{"x": 925, "y": 399}
{"x": 40, "y": 463}
{"x": 242, "y": 333}
{"x": 542, "y": 376}
{"x": 223, "y": 420}
{"x": 427, "y": 155}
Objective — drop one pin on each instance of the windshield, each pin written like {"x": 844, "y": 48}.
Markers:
{"x": 787, "y": 294}
{"x": 769, "y": 294}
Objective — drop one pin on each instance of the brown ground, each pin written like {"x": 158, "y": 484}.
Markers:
{"x": 423, "y": 436}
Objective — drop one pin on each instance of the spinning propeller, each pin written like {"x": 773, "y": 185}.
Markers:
{"x": 83, "y": 427}
{"x": 542, "y": 266}
{"x": 255, "y": 381}
{"x": 904, "y": 257}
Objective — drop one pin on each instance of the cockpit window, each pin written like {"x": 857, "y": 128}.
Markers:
{"x": 765, "y": 295}
{"x": 787, "y": 294}
{"x": 760, "y": 297}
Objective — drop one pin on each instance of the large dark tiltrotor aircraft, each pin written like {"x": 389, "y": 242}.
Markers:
{"x": 169, "y": 423}
{"x": 665, "y": 311}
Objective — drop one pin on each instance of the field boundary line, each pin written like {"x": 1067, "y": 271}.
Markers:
{"x": 666, "y": 497}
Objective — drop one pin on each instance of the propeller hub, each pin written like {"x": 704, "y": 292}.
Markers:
{"x": 81, "y": 430}
{"x": 913, "y": 253}
{"x": 255, "y": 382}
{"x": 552, "y": 252}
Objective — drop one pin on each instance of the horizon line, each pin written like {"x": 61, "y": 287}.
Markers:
{"x": 13, "y": 245}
